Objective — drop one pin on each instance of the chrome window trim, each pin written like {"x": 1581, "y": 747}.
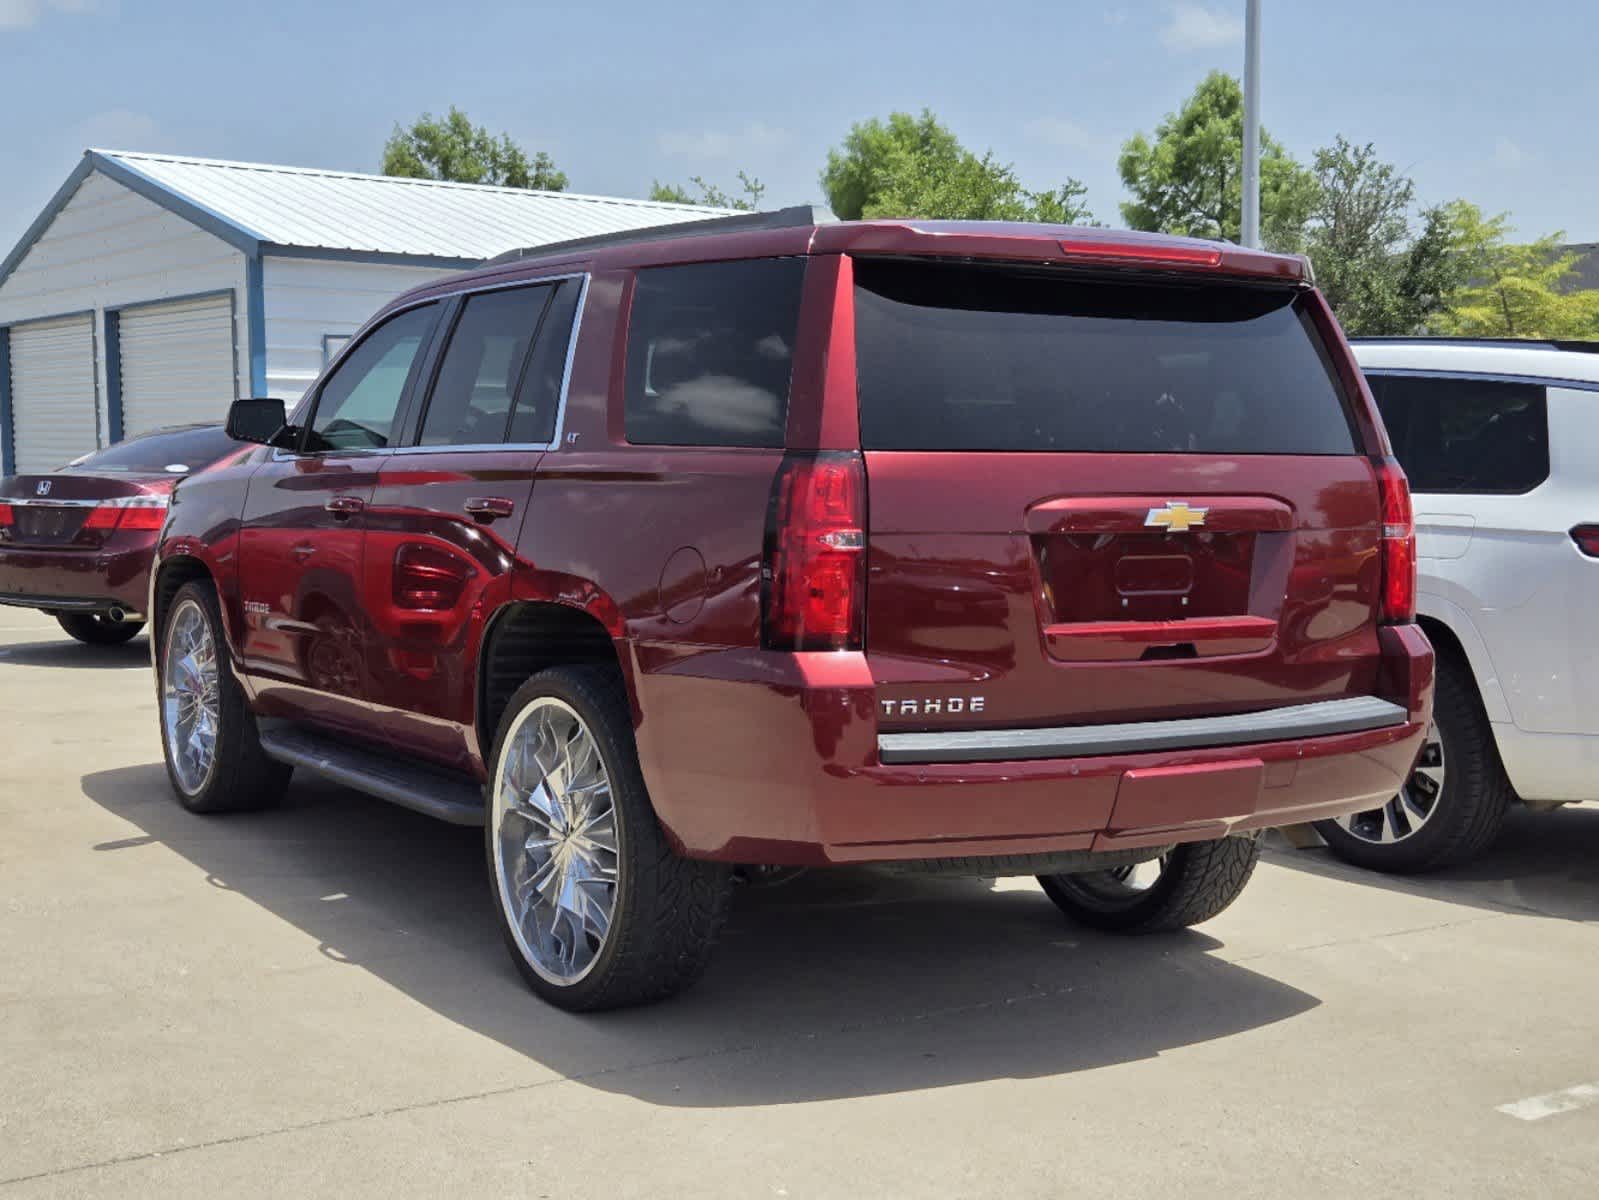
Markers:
{"x": 1357, "y": 714}
{"x": 1547, "y": 381}
{"x": 281, "y": 455}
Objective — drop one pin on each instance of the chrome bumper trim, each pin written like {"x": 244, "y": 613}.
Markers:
{"x": 1321, "y": 719}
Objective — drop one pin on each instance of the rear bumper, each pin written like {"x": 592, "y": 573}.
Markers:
{"x": 760, "y": 757}
{"x": 71, "y": 580}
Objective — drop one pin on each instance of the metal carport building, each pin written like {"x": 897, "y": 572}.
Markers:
{"x": 154, "y": 289}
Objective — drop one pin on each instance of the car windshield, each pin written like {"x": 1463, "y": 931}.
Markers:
{"x": 168, "y": 451}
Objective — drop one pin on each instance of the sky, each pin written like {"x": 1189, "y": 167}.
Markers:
{"x": 1494, "y": 102}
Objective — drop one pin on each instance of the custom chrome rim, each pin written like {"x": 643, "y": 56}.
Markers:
{"x": 1407, "y": 812}
{"x": 1111, "y": 890}
{"x": 556, "y": 841}
{"x": 190, "y": 697}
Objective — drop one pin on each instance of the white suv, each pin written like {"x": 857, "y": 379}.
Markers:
{"x": 1500, "y": 440}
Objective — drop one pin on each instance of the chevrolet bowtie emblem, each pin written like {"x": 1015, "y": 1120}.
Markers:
{"x": 1176, "y": 517}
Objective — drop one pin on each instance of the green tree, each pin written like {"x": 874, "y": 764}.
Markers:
{"x": 711, "y": 195}
{"x": 451, "y": 147}
{"x": 1189, "y": 179}
{"x": 1379, "y": 274}
{"x": 915, "y": 167}
{"x": 1513, "y": 290}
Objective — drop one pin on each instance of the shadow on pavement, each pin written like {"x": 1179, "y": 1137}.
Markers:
{"x": 1546, "y": 863}
{"x": 841, "y": 983}
{"x": 68, "y": 653}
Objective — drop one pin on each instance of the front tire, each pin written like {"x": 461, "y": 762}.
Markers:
{"x": 97, "y": 629}
{"x": 1454, "y": 803}
{"x": 595, "y": 908}
{"x": 208, "y": 734}
{"x": 1192, "y": 883}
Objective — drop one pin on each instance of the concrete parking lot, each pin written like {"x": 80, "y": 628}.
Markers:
{"x": 312, "y": 1001}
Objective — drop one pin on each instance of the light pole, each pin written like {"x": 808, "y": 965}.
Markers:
{"x": 1250, "y": 232}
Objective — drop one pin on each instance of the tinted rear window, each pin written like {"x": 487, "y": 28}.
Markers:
{"x": 179, "y": 452}
{"x": 1472, "y": 436}
{"x": 975, "y": 358}
{"x": 710, "y": 349}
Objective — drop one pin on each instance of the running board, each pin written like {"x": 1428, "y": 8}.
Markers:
{"x": 426, "y": 789}
{"x": 1321, "y": 719}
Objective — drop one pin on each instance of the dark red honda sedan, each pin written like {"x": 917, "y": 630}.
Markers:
{"x": 77, "y": 542}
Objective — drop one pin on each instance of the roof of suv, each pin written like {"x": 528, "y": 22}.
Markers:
{"x": 807, "y": 230}
{"x": 1577, "y": 361}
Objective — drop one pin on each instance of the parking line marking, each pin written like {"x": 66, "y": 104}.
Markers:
{"x": 1550, "y": 1104}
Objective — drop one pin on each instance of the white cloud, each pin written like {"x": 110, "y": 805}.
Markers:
{"x": 717, "y": 143}
{"x": 1507, "y": 153}
{"x": 25, "y": 14}
{"x": 120, "y": 129}
{"x": 1195, "y": 27}
{"x": 1060, "y": 131}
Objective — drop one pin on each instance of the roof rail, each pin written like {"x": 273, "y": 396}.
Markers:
{"x": 796, "y": 217}
{"x": 1580, "y": 347}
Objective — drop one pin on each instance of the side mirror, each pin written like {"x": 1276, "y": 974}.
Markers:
{"x": 258, "y": 420}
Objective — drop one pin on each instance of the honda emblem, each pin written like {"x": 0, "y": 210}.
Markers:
{"x": 44, "y": 487}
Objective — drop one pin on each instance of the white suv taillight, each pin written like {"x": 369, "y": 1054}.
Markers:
{"x": 815, "y": 572}
{"x": 1398, "y": 545}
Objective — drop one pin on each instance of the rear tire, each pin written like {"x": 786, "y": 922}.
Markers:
{"x": 235, "y": 775}
{"x": 596, "y": 909}
{"x": 97, "y": 629}
{"x": 1469, "y": 809}
{"x": 1197, "y": 881}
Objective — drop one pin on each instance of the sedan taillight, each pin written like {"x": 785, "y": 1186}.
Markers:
{"x": 1587, "y": 539}
{"x": 134, "y": 513}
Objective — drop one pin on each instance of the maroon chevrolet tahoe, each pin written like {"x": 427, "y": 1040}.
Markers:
{"x": 980, "y": 548}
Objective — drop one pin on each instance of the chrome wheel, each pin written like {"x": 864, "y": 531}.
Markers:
{"x": 1414, "y": 805}
{"x": 1117, "y": 888}
{"x": 190, "y": 697}
{"x": 556, "y": 841}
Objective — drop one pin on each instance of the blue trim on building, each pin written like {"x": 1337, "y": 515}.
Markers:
{"x": 8, "y": 452}
{"x": 151, "y": 189}
{"x": 113, "y": 375}
{"x": 329, "y": 254}
{"x": 255, "y": 318}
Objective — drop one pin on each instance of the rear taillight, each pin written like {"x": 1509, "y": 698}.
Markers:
{"x": 1398, "y": 545}
{"x": 1586, "y": 537}
{"x": 815, "y": 573}
{"x": 135, "y": 513}
{"x": 6, "y": 519}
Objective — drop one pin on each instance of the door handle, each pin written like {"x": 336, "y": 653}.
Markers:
{"x": 344, "y": 507}
{"x": 489, "y": 508}
{"x": 303, "y": 551}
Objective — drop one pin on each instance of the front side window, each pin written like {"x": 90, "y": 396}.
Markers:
{"x": 483, "y": 367}
{"x": 710, "y": 350}
{"x": 357, "y": 405}
{"x": 1466, "y": 436}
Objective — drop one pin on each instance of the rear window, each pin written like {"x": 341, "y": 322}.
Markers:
{"x": 175, "y": 452}
{"x": 977, "y": 358}
{"x": 710, "y": 349}
{"x": 1471, "y": 436}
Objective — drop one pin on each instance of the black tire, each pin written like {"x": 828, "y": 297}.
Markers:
{"x": 1197, "y": 881}
{"x": 97, "y": 629}
{"x": 667, "y": 910}
{"x": 241, "y": 777}
{"x": 1470, "y": 807}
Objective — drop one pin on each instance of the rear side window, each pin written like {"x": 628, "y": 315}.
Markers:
{"x": 709, "y": 353}
{"x": 538, "y": 398}
{"x": 1473, "y": 436}
{"x": 483, "y": 367}
{"x": 978, "y": 358}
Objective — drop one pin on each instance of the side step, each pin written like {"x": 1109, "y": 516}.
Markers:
{"x": 423, "y": 788}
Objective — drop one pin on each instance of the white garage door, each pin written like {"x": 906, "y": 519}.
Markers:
{"x": 54, "y": 413}
{"x": 177, "y": 363}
